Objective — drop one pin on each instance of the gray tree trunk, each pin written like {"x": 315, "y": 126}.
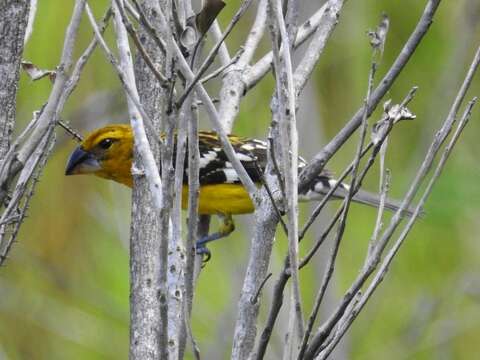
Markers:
{"x": 13, "y": 22}
{"x": 145, "y": 225}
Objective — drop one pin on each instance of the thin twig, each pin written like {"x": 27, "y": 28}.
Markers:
{"x": 83, "y": 59}
{"x": 211, "y": 110}
{"x": 383, "y": 189}
{"x": 51, "y": 110}
{"x": 272, "y": 198}
{"x": 347, "y": 171}
{"x": 318, "y": 162}
{"x": 35, "y": 149}
{"x": 25, "y": 186}
{"x": 217, "y": 36}
{"x": 222, "y": 68}
{"x": 391, "y": 116}
{"x": 352, "y": 313}
{"x": 126, "y": 85}
{"x": 343, "y": 218}
{"x": 262, "y": 284}
{"x": 211, "y": 56}
{"x": 258, "y": 70}
{"x": 143, "y": 52}
{"x": 315, "y": 49}
{"x": 75, "y": 135}
{"x": 149, "y": 28}
{"x": 289, "y": 138}
{"x": 324, "y": 331}
{"x": 279, "y": 287}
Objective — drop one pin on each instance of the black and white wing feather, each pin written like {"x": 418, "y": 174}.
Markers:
{"x": 215, "y": 168}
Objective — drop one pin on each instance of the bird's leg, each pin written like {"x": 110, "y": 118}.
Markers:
{"x": 225, "y": 230}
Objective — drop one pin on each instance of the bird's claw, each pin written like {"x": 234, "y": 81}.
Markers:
{"x": 205, "y": 252}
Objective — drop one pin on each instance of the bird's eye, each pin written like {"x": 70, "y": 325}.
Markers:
{"x": 105, "y": 143}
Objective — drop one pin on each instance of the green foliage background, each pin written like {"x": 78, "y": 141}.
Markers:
{"x": 64, "y": 290}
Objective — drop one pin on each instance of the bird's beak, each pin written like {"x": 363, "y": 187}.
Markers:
{"x": 81, "y": 162}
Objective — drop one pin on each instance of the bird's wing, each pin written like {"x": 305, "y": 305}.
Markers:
{"x": 215, "y": 168}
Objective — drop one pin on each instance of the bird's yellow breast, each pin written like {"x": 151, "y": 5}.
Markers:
{"x": 221, "y": 199}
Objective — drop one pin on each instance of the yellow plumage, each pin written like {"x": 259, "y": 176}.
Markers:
{"x": 221, "y": 199}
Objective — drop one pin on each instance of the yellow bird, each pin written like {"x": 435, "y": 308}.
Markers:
{"x": 108, "y": 153}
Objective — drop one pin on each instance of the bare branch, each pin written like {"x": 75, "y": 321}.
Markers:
{"x": 222, "y": 68}
{"x": 232, "y": 84}
{"x": 345, "y": 208}
{"x": 324, "y": 331}
{"x": 149, "y": 334}
{"x": 35, "y": 148}
{"x": 217, "y": 36}
{"x": 255, "y": 35}
{"x": 383, "y": 187}
{"x": 328, "y": 20}
{"x": 259, "y": 258}
{"x": 354, "y": 310}
{"x": 82, "y": 61}
{"x": 13, "y": 22}
{"x": 243, "y": 77}
{"x": 318, "y": 162}
{"x": 193, "y": 260}
{"x": 216, "y": 122}
{"x": 126, "y": 85}
{"x": 262, "y": 67}
{"x": 143, "y": 52}
{"x": 285, "y": 94}
{"x": 284, "y": 275}
{"x": 51, "y": 110}
{"x": 211, "y": 56}
{"x": 17, "y": 207}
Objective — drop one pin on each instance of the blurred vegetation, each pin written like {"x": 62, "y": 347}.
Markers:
{"x": 64, "y": 291}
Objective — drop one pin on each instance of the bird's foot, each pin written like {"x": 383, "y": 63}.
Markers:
{"x": 202, "y": 249}
{"x": 225, "y": 230}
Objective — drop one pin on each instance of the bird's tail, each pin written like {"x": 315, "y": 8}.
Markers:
{"x": 368, "y": 198}
{"x": 323, "y": 185}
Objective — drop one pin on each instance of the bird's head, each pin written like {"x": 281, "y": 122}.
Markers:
{"x": 106, "y": 152}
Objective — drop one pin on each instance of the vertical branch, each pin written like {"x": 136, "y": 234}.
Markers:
{"x": 148, "y": 330}
{"x": 384, "y": 183}
{"x": 285, "y": 93}
{"x": 266, "y": 221}
{"x": 189, "y": 168}
{"x": 180, "y": 147}
{"x": 38, "y": 132}
{"x": 13, "y": 22}
{"x": 193, "y": 261}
